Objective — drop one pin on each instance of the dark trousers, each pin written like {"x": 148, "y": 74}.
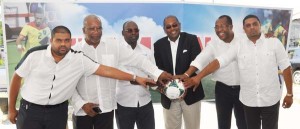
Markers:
{"x": 143, "y": 116}
{"x": 100, "y": 121}
{"x": 265, "y": 116}
{"x": 32, "y": 116}
{"x": 227, "y": 98}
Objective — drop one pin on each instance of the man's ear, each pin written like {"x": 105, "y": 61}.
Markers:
{"x": 123, "y": 32}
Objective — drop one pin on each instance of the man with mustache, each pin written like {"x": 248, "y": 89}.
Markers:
{"x": 134, "y": 101}
{"x": 174, "y": 53}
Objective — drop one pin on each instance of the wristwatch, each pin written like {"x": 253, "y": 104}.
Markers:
{"x": 290, "y": 95}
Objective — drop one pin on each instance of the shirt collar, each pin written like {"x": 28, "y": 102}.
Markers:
{"x": 176, "y": 41}
{"x": 136, "y": 47}
{"x": 83, "y": 44}
{"x": 260, "y": 39}
{"x": 49, "y": 54}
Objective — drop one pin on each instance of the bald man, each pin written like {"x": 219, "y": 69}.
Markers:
{"x": 134, "y": 101}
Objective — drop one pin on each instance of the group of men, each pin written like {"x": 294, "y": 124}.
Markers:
{"x": 247, "y": 79}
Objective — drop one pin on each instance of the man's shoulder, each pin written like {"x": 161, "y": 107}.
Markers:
{"x": 187, "y": 35}
{"x": 77, "y": 46}
{"x": 161, "y": 40}
{"x": 37, "y": 48}
{"x": 144, "y": 49}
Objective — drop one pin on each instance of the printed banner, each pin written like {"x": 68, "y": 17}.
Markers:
{"x": 198, "y": 19}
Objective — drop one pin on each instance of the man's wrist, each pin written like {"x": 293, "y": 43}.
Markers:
{"x": 289, "y": 95}
{"x": 186, "y": 74}
{"x": 134, "y": 78}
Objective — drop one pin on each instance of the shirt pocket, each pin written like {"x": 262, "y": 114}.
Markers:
{"x": 269, "y": 58}
{"x": 108, "y": 60}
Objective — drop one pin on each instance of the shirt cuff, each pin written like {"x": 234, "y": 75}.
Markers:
{"x": 78, "y": 105}
{"x": 221, "y": 61}
{"x": 156, "y": 74}
{"x": 19, "y": 73}
{"x": 196, "y": 64}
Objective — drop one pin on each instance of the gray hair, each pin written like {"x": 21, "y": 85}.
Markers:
{"x": 90, "y": 16}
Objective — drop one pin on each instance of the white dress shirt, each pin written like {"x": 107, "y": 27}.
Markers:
{"x": 50, "y": 83}
{"x": 258, "y": 65}
{"x": 229, "y": 74}
{"x": 129, "y": 95}
{"x": 174, "y": 47}
{"x": 110, "y": 53}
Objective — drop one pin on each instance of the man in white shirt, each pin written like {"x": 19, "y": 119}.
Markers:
{"x": 112, "y": 54}
{"x": 227, "y": 79}
{"x": 50, "y": 74}
{"x": 258, "y": 59}
{"x": 134, "y": 101}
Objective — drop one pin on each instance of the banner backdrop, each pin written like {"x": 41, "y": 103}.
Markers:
{"x": 195, "y": 18}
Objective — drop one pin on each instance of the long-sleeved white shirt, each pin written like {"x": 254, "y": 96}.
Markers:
{"x": 129, "y": 95}
{"x": 258, "y": 65}
{"x": 101, "y": 90}
{"x": 229, "y": 74}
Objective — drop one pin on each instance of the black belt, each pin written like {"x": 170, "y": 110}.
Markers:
{"x": 43, "y": 106}
{"x": 231, "y": 86}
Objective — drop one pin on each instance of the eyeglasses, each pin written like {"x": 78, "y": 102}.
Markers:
{"x": 170, "y": 26}
{"x": 131, "y": 30}
{"x": 94, "y": 28}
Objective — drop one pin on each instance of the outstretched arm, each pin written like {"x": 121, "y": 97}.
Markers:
{"x": 187, "y": 74}
{"x": 111, "y": 72}
{"x": 194, "y": 81}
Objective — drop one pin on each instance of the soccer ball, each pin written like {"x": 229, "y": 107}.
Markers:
{"x": 174, "y": 89}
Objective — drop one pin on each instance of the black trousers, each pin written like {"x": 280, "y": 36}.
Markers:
{"x": 227, "y": 99}
{"x": 33, "y": 116}
{"x": 265, "y": 116}
{"x": 143, "y": 116}
{"x": 100, "y": 121}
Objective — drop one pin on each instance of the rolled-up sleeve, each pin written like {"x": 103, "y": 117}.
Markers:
{"x": 90, "y": 66}
{"x": 129, "y": 58}
{"x": 281, "y": 55}
{"x": 229, "y": 56}
{"x": 203, "y": 58}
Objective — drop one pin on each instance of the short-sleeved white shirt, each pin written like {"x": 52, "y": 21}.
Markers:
{"x": 228, "y": 75}
{"x": 50, "y": 83}
{"x": 258, "y": 65}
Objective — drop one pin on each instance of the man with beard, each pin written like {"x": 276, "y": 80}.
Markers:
{"x": 134, "y": 101}
{"x": 258, "y": 60}
{"x": 102, "y": 98}
{"x": 50, "y": 74}
{"x": 174, "y": 54}
{"x": 227, "y": 79}
{"x": 36, "y": 32}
